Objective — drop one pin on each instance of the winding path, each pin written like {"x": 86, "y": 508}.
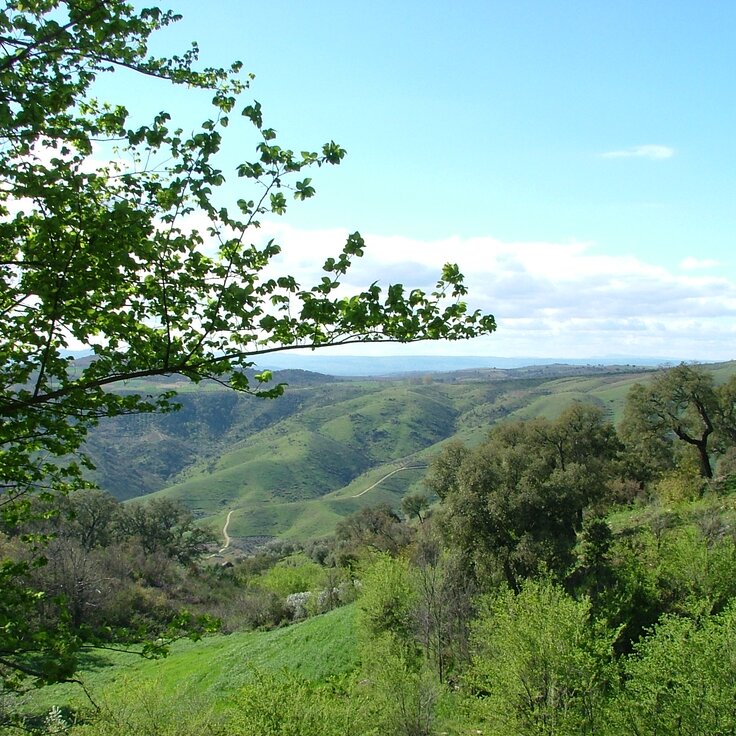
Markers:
{"x": 225, "y": 534}
{"x": 357, "y": 495}
{"x": 378, "y": 482}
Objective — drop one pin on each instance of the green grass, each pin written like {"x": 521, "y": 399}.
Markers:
{"x": 217, "y": 666}
{"x": 275, "y": 478}
{"x": 317, "y": 517}
{"x": 298, "y": 477}
{"x": 607, "y": 392}
{"x": 296, "y": 520}
{"x": 291, "y": 467}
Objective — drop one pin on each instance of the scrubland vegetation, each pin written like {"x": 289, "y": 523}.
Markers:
{"x": 558, "y": 577}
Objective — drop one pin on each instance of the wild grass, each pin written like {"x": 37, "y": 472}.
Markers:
{"x": 215, "y": 667}
{"x": 293, "y": 466}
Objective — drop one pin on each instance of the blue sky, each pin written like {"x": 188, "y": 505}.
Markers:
{"x": 577, "y": 159}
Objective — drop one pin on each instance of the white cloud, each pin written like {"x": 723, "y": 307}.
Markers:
{"x": 695, "y": 264}
{"x": 549, "y": 299}
{"x": 654, "y": 152}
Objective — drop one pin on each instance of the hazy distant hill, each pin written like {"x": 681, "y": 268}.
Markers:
{"x": 352, "y": 365}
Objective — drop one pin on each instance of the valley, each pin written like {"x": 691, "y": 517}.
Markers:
{"x": 366, "y": 555}
{"x": 294, "y": 466}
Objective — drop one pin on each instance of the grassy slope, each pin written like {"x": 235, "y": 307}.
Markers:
{"x": 217, "y": 666}
{"x": 326, "y": 645}
{"x": 273, "y": 478}
{"x": 293, "y": 467}
{"x": 607, "y": 392}
{"x": 299, "y": 477}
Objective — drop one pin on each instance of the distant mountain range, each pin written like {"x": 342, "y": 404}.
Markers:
{"x": 390, "y": 365}
{"x": 386, "y": 365}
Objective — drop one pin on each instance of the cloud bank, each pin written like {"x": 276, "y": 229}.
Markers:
{"x": 695, "y": 264}
{"x": 549, "y": 299}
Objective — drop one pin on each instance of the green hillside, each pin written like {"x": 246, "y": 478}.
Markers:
{"x": 317, "y": 462}
{"x": 294, "y": 466}
{"x": 607, "y": 392}
{"x": 215, "y": 667}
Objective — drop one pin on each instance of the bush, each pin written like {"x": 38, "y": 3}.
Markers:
{"x": 402, "y": 689}
{"x": 679, "y": 485}
{"x": 539, "y": 665}
{"x": 295, "y": 574}
{"x": 681, "y": 680}
{"x": 388, "y": 598}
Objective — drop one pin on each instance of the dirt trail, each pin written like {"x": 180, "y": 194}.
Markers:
{"x": 225, "y": 534}
{"x": 393, "y": 472}
{"x": 357, "y": 495}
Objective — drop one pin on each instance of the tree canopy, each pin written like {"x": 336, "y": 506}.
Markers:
{"x": 100, "y": 253}
{"x": 681, "y": 404}
{"x": 515, "y": 502}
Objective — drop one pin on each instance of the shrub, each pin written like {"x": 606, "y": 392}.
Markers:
{"x": 539, "y": 665}
{"x": 681, "y": 680}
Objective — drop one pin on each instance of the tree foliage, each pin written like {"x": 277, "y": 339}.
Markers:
{"x": 166, "y": 526}
{"x": 539, "y": 664}
{"x": 103, "y": 254}
{"x": 516, "y": 502}
{"x": 681, "y": 679}
{"x": 681, "y": 405}
{"x": 378, "y": 528}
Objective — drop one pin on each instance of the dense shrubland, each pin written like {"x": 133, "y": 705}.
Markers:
{"x": 554, "y": 586}
{"x": 124, "y": 573}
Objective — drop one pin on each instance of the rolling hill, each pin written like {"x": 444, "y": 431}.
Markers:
{"x": 294, "y": 466}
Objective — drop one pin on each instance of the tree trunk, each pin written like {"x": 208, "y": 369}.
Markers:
{"x": 509, "y": 575}
{"x": 705, "y": 467}
{"x": 706, "y": 471}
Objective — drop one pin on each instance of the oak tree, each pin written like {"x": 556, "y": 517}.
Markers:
{"x": 515, "y": 503}
{"x": 681, "y": 405}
